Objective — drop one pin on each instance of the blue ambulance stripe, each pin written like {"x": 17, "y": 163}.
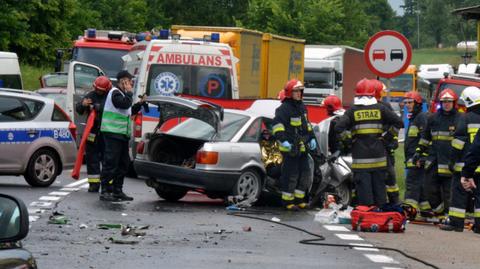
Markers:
{"x": 23, "y": 136}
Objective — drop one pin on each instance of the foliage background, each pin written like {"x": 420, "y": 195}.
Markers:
{"x": 35, "y": 28}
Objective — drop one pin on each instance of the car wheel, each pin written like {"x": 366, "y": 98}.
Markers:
{"x": 170, "y": 193}
{"x": 249, "y": 185}
{"x": 344, "y": 194}
{"x": 42, "y": 168}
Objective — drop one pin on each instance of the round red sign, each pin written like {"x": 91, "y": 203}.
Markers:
{"x": 388, "y": 53}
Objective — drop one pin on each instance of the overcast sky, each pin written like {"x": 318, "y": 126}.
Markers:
{"x": 396, "y": 6}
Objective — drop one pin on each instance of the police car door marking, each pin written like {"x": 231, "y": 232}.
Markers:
{"x": 166, "y": 84}
{"x": 367, "y": 114}
{"x": 22, "y": 136}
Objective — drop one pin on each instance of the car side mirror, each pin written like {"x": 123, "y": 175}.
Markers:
{"x": 13, "y": 219}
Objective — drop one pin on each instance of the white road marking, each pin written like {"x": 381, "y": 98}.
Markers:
{"x": 59, "y": 193}
{"x": 32, "y": 211}
{"x": 49, "y": 198}
{"x": 33, "y": 218}
{"x": 70, "y": 189}
{"x": 349, "y": 237}
{"x": 366, "y": 249}
{"x": 41, "y": 204}
{"x": 337, "y": 228}
{"x": 84, "y": 186}
{"x": 360, "y": 244}
{"x": 380, "y": 258}
{"x": 79, "y": 182}
{"x": 391, "y": 268}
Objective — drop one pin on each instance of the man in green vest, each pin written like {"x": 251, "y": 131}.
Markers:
{"x": 116, "y": 130}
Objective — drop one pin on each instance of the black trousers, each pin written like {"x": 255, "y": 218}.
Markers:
{"x": 415, "y": 193}
{"x": 296, "y": 173}
{"x": 393, "y": 193}
{"x": 370, "y": 187}
{"x": 461, "y": 200}
{"x": 438, "y": 190}
{"x": 94, "y": 156}
{"x": 116, "y": 160}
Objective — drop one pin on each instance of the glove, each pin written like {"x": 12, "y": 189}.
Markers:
{"x": 287, "y": 145}
{"x": 334, "y": 156}
{"x": 312, "y": 144}
{"x": 416, "y": 157}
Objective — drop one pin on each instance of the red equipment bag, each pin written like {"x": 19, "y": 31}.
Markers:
{"x": 372, "y": 219}
{"x": 83, "y": 143}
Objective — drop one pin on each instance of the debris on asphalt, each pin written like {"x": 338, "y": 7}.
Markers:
{"x": 83, "y": 226}
{"x": 221, "y": 231}
{"x": 122, "y": 242}
{"x": 275, "y": 219}
{"x": 124, "y": 214}
{"x": 247, "y": 228}
{"x": 57, "y": 218}
{"x": 108, "y": 226}
{"x": 132, "y": 230}
{"x": 240, "y": 201}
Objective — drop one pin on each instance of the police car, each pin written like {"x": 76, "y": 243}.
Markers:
{"x": 37, "y": 138}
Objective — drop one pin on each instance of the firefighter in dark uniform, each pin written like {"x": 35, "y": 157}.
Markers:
{"x": 295, "y": 135}
{"x": 334, "y": 107}
{"x": 391, "y": 144}
{"x": 466, "y": 129}
{"x": 94, "y": 148}
{"x": 436, "y": 141}
{"x": 362, "y": 127}
{"x": 415, "y": 200}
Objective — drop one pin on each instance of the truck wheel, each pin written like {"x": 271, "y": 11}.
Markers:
{"x": 249, "y": 185}
{"x": 42, "y": 168}
{"x": 170, "y": 193}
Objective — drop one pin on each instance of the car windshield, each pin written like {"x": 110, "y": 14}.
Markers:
{"x": 197, "y": 129}
{"x": 55, "y": 80}
{"x": 59, "y": 98}
{"x": 318, "y": 79}
{"x": 403, "y": 83}
{"x": 189, "y": 79}
{"x": 109, "y": 60}
{"x": 457, "y": 88}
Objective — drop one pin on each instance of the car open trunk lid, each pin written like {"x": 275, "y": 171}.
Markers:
{"x": 171, "y": 107}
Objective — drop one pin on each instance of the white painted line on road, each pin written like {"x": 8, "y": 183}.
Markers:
{"x": 59, "y": 193}
{"x": 353, "y": 237}
{"x": 84, "y": 186}
{"x": 380, "y": 258}
{"x": 366, "y": 249}
{"x": 70, "y": 189}
{"x": 41, "y": 204}
{"x": 360, "y": 245}
{"x": 391, "y": 268}
{"x": 32, "y": 211}
{"x": 79, "y": 182}
{"x": 337, "y": 228}
{"x": 33, "y": 218}
{"x": 49, "y": 198}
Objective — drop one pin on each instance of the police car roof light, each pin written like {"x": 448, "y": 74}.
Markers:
{"x": 115, "y": 35}
{"x": 215, "y": 37}
{"x": 91, "y": 33}
{"x": 164, "y": 33}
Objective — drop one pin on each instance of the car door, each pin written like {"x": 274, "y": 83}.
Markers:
{"x": 80, "y": 81}
{"x": 17, "y": 130}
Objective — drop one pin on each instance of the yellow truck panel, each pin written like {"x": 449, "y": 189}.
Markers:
{"x": 266, "y": 61}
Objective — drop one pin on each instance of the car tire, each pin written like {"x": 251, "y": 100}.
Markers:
{"x": 42, "y": 169}
{"x": 248, "y": 185}
{"x": 171, "y": 193}
{"x": 344, "y": 194}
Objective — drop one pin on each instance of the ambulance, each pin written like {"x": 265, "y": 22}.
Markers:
{"x": 186, "y": 67}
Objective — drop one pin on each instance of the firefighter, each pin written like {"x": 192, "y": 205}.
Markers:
{"x": 295, "y": 135}
{"x": 436, "y": 142}
{"x": 391, "y": 144}
{"x": 466, "y": 129}
{"x": 94, "y": 148}
{"x": 116, "y": 130}
{"x": 415, "y": 200}
{"x": 334, "y": 107}
{"x": 362, "y": 127}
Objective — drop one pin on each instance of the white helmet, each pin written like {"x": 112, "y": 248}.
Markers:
{"x": 471, "y": 96}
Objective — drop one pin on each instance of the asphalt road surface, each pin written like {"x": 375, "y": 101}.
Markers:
{"x": 197, "y": 232}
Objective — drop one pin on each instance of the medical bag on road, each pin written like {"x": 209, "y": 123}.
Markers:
{"x": 374, "y": 219}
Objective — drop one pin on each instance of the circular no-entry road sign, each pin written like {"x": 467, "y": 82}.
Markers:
{"x": 388, "y": 53}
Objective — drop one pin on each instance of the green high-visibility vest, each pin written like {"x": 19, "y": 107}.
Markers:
{"x": 115, "y": 120}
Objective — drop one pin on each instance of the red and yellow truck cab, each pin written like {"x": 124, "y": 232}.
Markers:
{"x": 457, "y": 83}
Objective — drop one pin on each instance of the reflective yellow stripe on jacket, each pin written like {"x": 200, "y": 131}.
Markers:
{"x": 367, "y": 129}
{"x": 458, "y": 144}
{"x": 369, "y": 163}
{"x": 441, "y": 135}
{"x": 413, "y": 131}
{"x": 278, "y": 128}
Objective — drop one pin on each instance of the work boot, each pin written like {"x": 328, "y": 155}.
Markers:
{"x": 107, "y": 196}
{"x": 300, "y": 203}
{"x": 121, "y": 196}
{"x": 94, "y": 187}
{"x": 292, "y": 207}
{"x": 449, "y": 228}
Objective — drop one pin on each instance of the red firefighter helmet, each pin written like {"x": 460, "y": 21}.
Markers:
{"x": 291, "y": 85}
{"x": 281, "y": 95}
{"x": 332, "y": 103}
{"x": 379, "y": 88}
{"x": 364, "y": 88}
{"x": 448, "y": 95}
{"x": 413, "y": 95}
{"x": 102, "y": 83}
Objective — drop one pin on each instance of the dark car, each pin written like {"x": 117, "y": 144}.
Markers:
{"x": 13, "y": 228}
{"x": 396, "y": 54}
